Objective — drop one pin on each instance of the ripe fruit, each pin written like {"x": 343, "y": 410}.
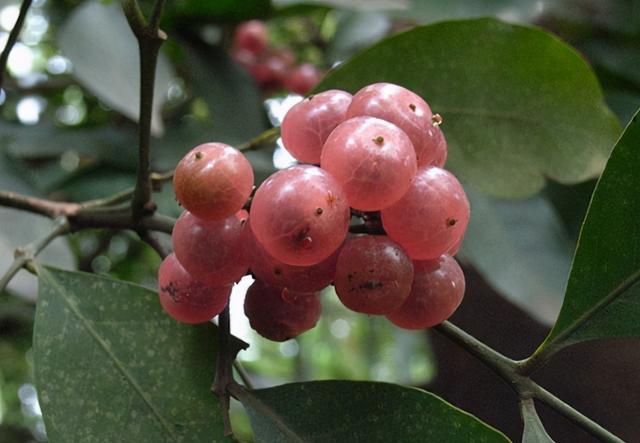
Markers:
{"x": 403, "y": 108}
{"x": 307, "y": 125}
{"x": 281, "y": 275}
{"x": 213, "y": 181}
{"x": 211, "y": 250}
{"x": 186, "y": 299}
{"x": 432, "y": 215}
{"x": 302, "y": 78}
{"x": 300, "y": 215}
{"x": 279, "y": 314}
{"x": 270, "y": 70}
{"x": 372, "y": 159}
{"x": 373, "y": 275}
{"x": 440, "y": 146}
{"x": 437, "y": 291}
{"x": 251, "y": 35}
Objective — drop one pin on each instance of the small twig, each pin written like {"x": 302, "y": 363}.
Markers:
{"x": 25, "y": 254}
{"x": 153, "y": 241}
{"x": 508, "y": 370}
{"x": 224, "y": 371}
{"x": 270, "y": 135}
{"x": 150, "y": 39}
{"x": 244, "y": 376}
{"x": 13, "y": 37}
{"x": 49, "y": 208}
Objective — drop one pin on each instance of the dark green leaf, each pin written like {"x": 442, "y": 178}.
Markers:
{"x": 222, "y": 10}
{"x": 534, "y": 431}
{"x": 104, "y": 52}
{"x": 344, "y": 411}
{"x": 522, "y": 248}
{"x": 602, "y": 299}
{"x": 518, "y": 104}
{"x": 111, "y": 366}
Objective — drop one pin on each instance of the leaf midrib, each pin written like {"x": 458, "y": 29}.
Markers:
{"x": 612, "y": 296}
{"x": 44, "y": 273}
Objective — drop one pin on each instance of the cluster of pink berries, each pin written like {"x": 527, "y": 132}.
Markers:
{"x": 271, "y": 68}
{"x": 381, "y": 153}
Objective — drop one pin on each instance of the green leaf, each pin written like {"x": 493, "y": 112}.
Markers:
{"x": 522, "y": 248}
{"x": 221, "y": 10}
{"x": 602, "y": 298}
{"x": 534, "y": 431}
{"x": 518, "y": 104}
{"x": 358, "y": 412}
{"x": 104, "y": 52}
{"x": 429, "y": 11}
{"x": 110, "y": 365}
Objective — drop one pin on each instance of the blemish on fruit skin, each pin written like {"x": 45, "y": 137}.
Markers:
{"x": 319, "y": 211}
{"x": 451, "y": 221}
{"x": 379, "y": 140}
{"x": 330, "y": 198}
{"x": 199, "y": 155}
{"x": 412, "y": 107}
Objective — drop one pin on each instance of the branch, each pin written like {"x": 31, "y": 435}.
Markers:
{"x": 48, "y": 208}
{"x": 224, "y": 371}
{"x": 25, "y": 254}
{"x": 13, "y": 38}
{"x": 150, "y": 239}
{"x": 270, "y": 135}
{"x": 508, "y": 370}
{"x": 150, "y": 39}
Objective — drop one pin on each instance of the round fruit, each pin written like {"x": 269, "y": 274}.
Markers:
{"x": 431, "y": 216}
{"x": 307, "y": 125}
{"x": 373, "y": 275}
{"x": 300, "y": 215}
{"x": 302, "y": 78}
{"x": 186, "y": 299}
{"x": 213, "y": 181}
{"x": 437, "y": 291}
{"x": 211, "y": 250}
{"x": 404, "y": 109}
{"x": 281, "y": 275}
{"x": 279, "y": 314}
{"x": 372, "y": 159}
{"x": 251, "y": 35}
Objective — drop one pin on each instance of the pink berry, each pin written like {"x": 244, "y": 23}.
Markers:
{"x": 373, "y": 275}
{"x": 185, "y": 298}
{"x": 403, "y": 108}
{"x": 281, "y": 275}
{"x": 213, "y": 181}
{"x": 251, "y": 35}
{"x": 300, "y": 215}
{"x": 432, "y": 215}
{"x": 302, "y": 79}
{"x": 437, "y": 291}
{"x": 372, "y": 159}
{"x": 307, "y": 125}
{"x": 279, "y": 314}
{"x": 211, "y": 250}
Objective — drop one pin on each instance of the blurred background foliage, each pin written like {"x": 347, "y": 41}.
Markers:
{"x": 68, "y": 131}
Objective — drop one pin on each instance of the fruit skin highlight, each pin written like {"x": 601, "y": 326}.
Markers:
{"x": 307, "y": 125}
{"x": 211, "y": 250}
{"x": 186, "y": 299}
{"x": 300, "y": 215}
{"x": 372, "y": 159}
{"x": 213, "y": 181}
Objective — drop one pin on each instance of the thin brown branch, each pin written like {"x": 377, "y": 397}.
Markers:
{"x": 13, "y": 37}
{"x": 25, "y": 254}
{"x": 150, "y": 39}
{"x": 152, "y": 240}
{"x": 224, "y": 371}
{"x": 49, "y": 208}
